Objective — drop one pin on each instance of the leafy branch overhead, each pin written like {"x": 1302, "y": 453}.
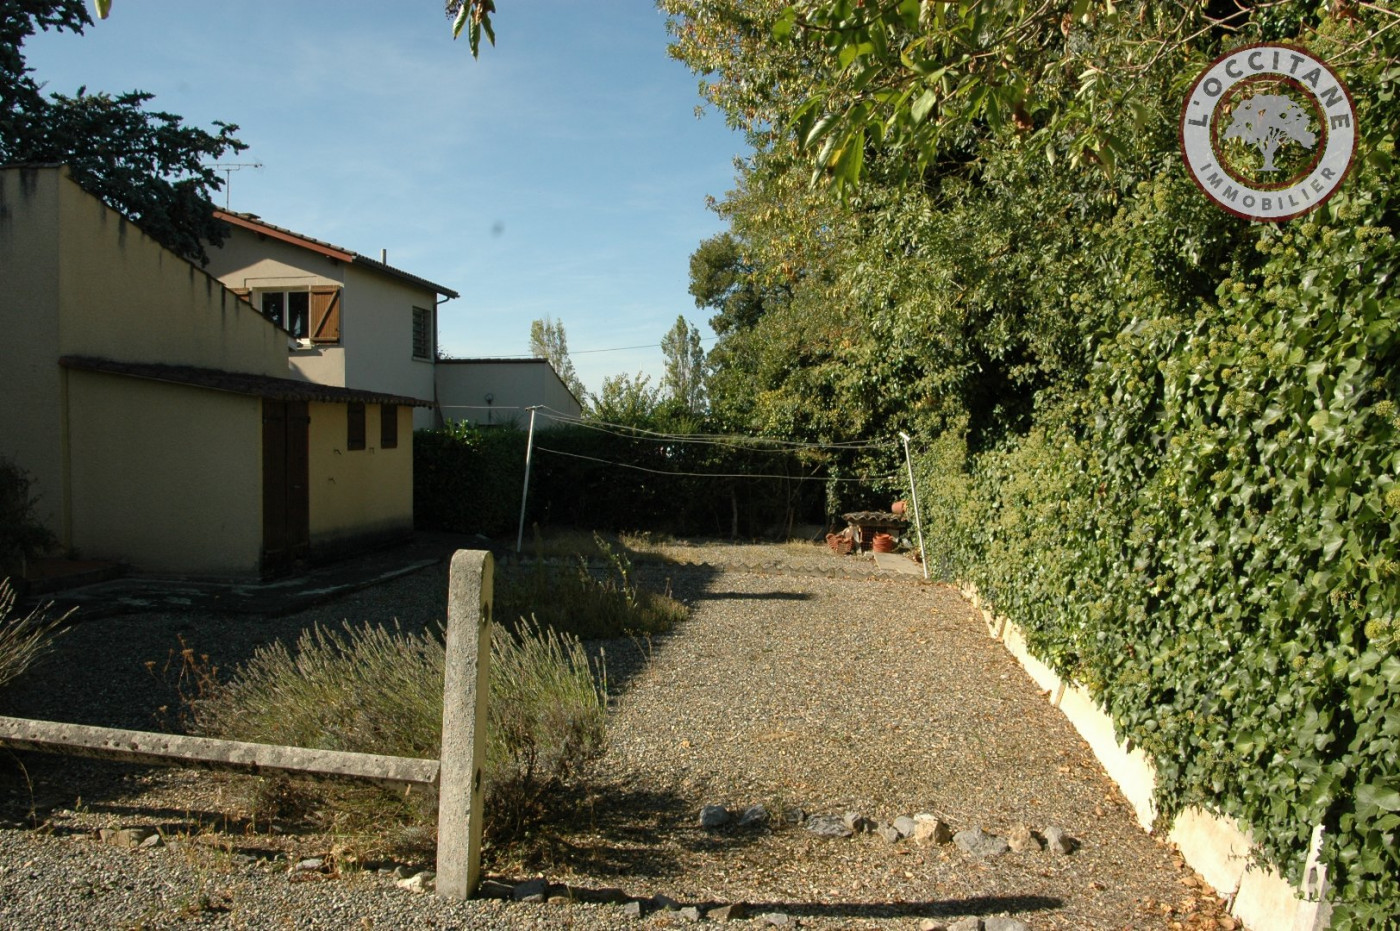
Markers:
{"x": 148, "y": 165}
{"x": 915, "y": 79}
{"x": 475, "y": 17}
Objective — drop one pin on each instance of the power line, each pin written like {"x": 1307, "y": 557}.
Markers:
{"x": 584, "y": 352}
{"x": 637, "y": 468}
{"x": 711, "y": 439}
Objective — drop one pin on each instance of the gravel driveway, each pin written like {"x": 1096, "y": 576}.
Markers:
{"x": 803, "y": 682}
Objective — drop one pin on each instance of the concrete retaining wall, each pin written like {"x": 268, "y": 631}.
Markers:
{"x": 1211, "y": 843}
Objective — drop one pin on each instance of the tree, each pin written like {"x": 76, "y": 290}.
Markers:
{"x": 147, "y": 165}
{"x": 684, "y": 380}
{"x": 722, "y": 280}
{"x": 1266, "y": 121}
{"x": 547, "y": 341}
{"x": 629, "y": 401}
{"x": 472, "y": 15}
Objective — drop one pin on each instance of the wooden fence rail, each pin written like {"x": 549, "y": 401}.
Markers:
{"x": 457, "y": 774}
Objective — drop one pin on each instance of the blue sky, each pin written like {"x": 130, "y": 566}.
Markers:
{"x": 563, "y": 173}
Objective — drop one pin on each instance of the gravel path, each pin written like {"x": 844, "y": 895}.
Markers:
{"x": 800, "y": 681}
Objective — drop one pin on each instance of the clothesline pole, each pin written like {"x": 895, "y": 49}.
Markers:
{"x": 525, "y": 492}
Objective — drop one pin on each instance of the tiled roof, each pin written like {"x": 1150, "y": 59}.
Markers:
{"x": 260, "y": 386}
{"x": 497, "y": 360}
{"x": 255, "y": 223}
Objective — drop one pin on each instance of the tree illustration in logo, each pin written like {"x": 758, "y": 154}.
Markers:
{"x": 1267, "y": 121}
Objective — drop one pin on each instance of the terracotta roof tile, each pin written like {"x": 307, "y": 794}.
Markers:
{"x": 261, "y": 386}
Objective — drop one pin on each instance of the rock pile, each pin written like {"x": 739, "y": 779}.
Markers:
{"x": 925, "y": 828}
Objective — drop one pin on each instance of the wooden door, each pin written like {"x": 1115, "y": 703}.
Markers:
{"x": 286, "y": 502}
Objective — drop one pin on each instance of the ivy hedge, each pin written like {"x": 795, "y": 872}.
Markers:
{"x": 1206, "y": 532}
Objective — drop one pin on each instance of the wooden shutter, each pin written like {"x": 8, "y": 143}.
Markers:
{"x": 325, "y": 315}
{"x": 355, "y": 425}
{"x": 388, "y": 426}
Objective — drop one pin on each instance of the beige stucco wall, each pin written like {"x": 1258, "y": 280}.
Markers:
{"x": 358, "y": 493}
{"x": 462, "y": 386}
{"x": 31, "y": 385}
{"x": 375, "y": 352}
{"x": 379, "y": 344}
{"x": 78, "y": 279}
{"x": 165, "y": 477}
{"x": 124, "y": 297}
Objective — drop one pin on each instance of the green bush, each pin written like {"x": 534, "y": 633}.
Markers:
{"x": 370, "y": 689}
{"x": 21, "y": 534}
{"x": 468, "y": 479}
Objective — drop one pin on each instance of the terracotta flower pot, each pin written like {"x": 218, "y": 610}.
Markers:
{"x": 899, "y": 508}
{"x": 882, "y": 543}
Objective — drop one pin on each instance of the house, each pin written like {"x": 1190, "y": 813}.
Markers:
{"x": 493, "y": 392}
{"x": 357, "y": 322}
{"x": 160, "y": 416}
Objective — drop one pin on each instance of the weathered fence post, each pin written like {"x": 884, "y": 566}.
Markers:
{"x": 466, "y": 686}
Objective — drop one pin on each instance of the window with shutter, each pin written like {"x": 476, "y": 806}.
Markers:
{"x": 388, "y": 426}
{"x": 355, "y": 426}
{"x": 422, "y": 333}
{"x": 287, "y": 309}
{"x": 325, "y": 315}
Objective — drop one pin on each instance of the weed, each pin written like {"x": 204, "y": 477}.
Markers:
{"x": 196, "y": 679}
{"x": 23, "y": 638}
{"x": 589, "y": 604}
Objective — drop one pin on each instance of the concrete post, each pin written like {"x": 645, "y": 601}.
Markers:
{"x": 466, "y": 687}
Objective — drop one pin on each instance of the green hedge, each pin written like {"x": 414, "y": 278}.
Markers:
{"x": 469, "y": 479}
{"x": 1206, "y": 534}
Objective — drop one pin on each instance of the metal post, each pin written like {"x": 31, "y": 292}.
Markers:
{"x": 914, "y": 493}
{"x": 525, "y": 492}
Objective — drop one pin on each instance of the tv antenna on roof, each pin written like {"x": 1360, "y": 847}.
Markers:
{"x": 228, "y": 168}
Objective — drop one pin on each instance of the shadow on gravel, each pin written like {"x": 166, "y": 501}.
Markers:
{"x": 757, "y": 596}
{"x": 946, "y": 908}
{"x": 612, "y": 829}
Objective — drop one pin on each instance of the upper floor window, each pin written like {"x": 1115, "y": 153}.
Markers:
{"x": 422, "y": 333}
{"x": 290, "y": 310}
{"x": 312, "y": 313}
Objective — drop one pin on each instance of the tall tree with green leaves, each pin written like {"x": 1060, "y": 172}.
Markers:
{"x": 148, "y": 165}
{"x": 548, "y": 341}
{"x": 684, "y": 380}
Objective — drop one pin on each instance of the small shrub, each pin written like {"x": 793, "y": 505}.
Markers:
{"x": 590, "y": 604}
{"x": 21, "y": 534}
{"x": 364, "y": 688}
{"x": 23, "y": 638}
{"x": 547, "y": 717}
{"x": 370, "y": 689}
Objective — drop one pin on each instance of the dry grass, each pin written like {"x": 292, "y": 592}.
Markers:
{"x": 23, "y": 638}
